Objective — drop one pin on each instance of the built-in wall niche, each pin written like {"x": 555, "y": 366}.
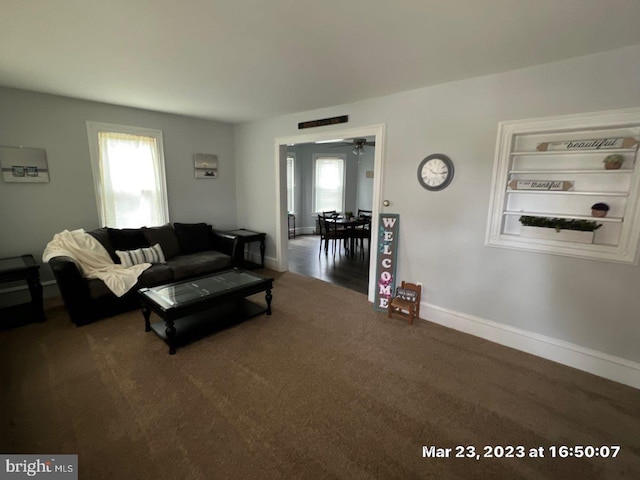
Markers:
{"x": 550, "y": 173}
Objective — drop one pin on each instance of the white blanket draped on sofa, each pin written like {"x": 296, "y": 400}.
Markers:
{"x": 93, "y": 260}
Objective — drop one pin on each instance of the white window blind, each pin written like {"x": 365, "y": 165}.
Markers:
{"x": 329, "y": 183}
{"x": 128, "y": 167}
{"x": 290, "y": 184}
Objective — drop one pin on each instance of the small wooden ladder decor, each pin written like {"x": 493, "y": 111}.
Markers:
{"x": 406, "y": 302}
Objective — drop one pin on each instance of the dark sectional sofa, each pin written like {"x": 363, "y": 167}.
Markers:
{"x": 190, "y": 250}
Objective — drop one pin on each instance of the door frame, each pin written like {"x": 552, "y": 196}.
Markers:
{"x": 280, "y": 144}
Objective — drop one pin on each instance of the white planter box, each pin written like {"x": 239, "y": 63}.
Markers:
{"x": 575, "y": 236}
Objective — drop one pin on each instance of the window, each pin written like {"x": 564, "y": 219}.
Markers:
{"x": 128, "y": 173}
{"x": 291, "y": 183}
{"x": 329, "y": 182}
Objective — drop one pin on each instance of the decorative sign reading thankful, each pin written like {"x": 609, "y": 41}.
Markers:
{"x": 593, "y": 144}
{"x": 386, "y": 262}
{"x": 547, "y": 185}
{"x": 324, "y": 121}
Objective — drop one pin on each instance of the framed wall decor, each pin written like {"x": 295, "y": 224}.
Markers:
{"x": 206, "y": 165}
{"x": 24, "y": 165}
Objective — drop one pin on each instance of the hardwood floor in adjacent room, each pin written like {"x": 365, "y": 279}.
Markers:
{"x": 341, "y": 269}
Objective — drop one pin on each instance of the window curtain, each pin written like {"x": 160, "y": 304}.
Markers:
{"x": 132, "y": 183}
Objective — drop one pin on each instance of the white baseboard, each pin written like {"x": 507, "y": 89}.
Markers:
{"x": 305, "y": 230}
{"x": 598, "y": 363}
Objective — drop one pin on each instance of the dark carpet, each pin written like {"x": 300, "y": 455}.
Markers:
{"x": 325, "y": 388}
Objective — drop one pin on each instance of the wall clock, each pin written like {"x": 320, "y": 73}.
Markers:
{"x": 435, "y": 172}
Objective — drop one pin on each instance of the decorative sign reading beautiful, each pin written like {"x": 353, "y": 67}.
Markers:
{"x": 546, "y": 185}
{"x": 388, "y": 226}
{"x": 592, "y": 144}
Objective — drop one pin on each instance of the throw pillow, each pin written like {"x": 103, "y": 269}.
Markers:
{"x": 153, "y": 254}
{"x": 166, "y": 237}
{"x": 194, "y": 237}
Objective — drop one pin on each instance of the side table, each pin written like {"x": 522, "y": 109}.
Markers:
{"x": 24, "y": 268}
{"x": 245, "y": 237}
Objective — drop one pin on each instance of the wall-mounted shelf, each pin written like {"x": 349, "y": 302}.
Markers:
{"x": 575, "y": 152}
{"x": 570, "y": 192}
{"x": 580, "y": 180}
{"x": 558, "y": 215}
{"x": 599, "y": 171}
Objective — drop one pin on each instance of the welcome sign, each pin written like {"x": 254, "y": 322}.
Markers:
{"x": 388, "y": 226}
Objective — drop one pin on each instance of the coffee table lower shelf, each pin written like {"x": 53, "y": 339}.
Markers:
{"x": 202, "y": 324}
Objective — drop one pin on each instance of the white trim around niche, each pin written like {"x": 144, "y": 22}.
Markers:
{"x": 593, "y": 123}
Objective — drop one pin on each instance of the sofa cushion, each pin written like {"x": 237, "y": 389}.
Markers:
{"x": 154, "y": 254}
{"x": 102, "y": 235}
{"x": 185, "y": 266}
{"x": 194, "y": 237}
{"x": 156, "y": 274}
{"x": 127, "y": 238}
{"x": 165, "y": 235}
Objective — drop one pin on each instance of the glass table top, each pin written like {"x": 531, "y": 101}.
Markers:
{"x": 180, "y": 293}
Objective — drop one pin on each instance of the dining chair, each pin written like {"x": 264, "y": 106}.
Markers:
{"x": 329, "y": 231}
{"x": 362, "y": 233}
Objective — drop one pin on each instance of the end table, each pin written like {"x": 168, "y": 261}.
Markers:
{"x": 245, "y": 237}
{"x": 25, "y": 268}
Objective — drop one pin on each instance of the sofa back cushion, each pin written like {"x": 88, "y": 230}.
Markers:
{"x": 194, "y": 237}
{"x": 127, "y": 239}
{"x": 166, "y": 237}
{"x": 102, "y": 235}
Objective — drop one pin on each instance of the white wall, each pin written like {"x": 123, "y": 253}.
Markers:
{"x": 32, "y": 213}
{"x": 592, "y": 305}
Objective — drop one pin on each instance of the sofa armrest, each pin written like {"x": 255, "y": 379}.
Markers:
{"x": 73, "y": 288}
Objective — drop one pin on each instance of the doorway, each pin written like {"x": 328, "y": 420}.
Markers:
{"x": 375, "y": 132}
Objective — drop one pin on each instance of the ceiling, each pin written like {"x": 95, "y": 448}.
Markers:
{"x": 242, "y": 60}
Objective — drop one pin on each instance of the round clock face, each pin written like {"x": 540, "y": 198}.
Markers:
{"x": 435, "y": 172}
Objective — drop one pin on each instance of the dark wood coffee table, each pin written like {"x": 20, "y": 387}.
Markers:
{"x": 194, "y": 307}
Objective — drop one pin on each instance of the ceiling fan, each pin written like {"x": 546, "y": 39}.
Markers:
{"x": 358, "y": 145}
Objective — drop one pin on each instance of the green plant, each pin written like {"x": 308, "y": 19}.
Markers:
{"x": 560, "y": 223}
{"x": 615, "y": 158}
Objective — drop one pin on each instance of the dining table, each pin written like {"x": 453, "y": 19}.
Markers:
{"x": 350, "y": 224}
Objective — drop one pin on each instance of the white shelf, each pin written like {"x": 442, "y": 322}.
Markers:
{"x": 554, "y": 153}
{"x": 570, "y": 192}
{"x": 554, "y": 215}
{"x": 549, "y": 171}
